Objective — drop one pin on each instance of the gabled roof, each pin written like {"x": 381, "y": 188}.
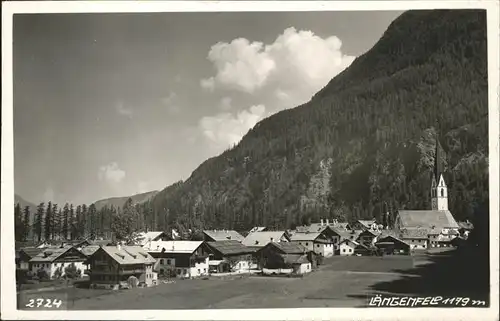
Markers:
{"x": 305, "y": 236}
{"x": 349, "y": 241}
{"x": 172, "y": 246}
{"x": 89, "y": 250}
{"x": 145, "y": 237}
{"x": 368, "y": 231}
{"x": 414, "y": 234}
{"x": 466, "y": 225}
{"x": 348, "y": 234}
{"x": 427, "y": 219}
{"x": 383, "y": 238}
{"x": 128, "y": 254}
{"x": 294, "y": 258}
{"x": 262, "y": 238}
{"x": 288, "y": 247}
{"x": 50, "y": 254}
{"x": 223, "y": 235}
{"x": 342, "y": 225}
{"x": 229, "y": 247}
{"x": 366, "y": 223}
{"x": 258, "y": 229}
{"x": 31, "y": 251}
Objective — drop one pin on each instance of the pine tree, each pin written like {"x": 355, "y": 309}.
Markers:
{"x": 65, "y": 222}
{"x": 72, "y": 222}
{"x": 85, "y": 222}
{"x": 38, "y": 223}
{"x": 49, "y": 226}
{"x": 18, "y": 223}
{"x": 56, "y": 227}
{"x": 79, "y": 229}
{"x": 26, "y": 222}
{"x": 92, "y": 214}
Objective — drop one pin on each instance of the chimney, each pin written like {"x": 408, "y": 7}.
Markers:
{"x": 321, "y": 222}
{"x": 327, "y": 222}
{"x": 272, "y": 239}
{"x": 119, "y": 246}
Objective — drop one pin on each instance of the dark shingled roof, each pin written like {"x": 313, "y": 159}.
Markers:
{"x": 229, "y": 247}
{"x": 31, "y": 251}
{"x": 290, "y": 247}
{"x": 294, "y": 258}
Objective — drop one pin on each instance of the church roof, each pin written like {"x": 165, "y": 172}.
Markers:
{"x": 427, "y": 219}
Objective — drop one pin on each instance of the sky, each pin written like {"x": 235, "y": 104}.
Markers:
{"x": 110, "y": 104}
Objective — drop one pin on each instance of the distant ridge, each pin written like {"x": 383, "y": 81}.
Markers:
{"x": 119, "y": 201}
{"x": 23, "y": 203}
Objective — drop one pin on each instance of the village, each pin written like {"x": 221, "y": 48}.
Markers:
{"x": 161, "y": 257}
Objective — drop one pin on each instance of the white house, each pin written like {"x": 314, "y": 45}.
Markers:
{"x": 315, "y": 242}
{"x": 186, "y": 259}
{"x": 54, "y": 260}
{"x": 347, "y": 247}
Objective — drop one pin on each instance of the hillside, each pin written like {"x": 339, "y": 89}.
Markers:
{"x": 23, "y": 203}
{"x": 364, "y": 144}
{"x": 119, "y": 201}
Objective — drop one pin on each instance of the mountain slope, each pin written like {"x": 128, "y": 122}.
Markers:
{"x": 23, "y": 203}
{"x": 365, "y": 143}
{"x": 119, "y": 201}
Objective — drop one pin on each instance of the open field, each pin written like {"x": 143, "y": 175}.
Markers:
{"x": 339, "y": 282}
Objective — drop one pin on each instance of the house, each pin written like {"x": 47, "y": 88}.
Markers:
{"x": 112, "y": 265}
{"x": 362, "y": 225}
{"x": 258, "y": 229}
{"x": 145, "y": 237}
{"x": 367, "y": 237}
{"x": 260, "y": 239}
{"x": 222, "y": 235}
{"x": 391, "y": 244}
{"x": 316, "y": 242}
{"x": 284, "y": 257}
{"x": 24, "y": 257}
{"x": 347, "y": 247}
{"x": 464, "y": 228}
{"x": 229, "y": 256}
{"x": 363, "y": 250}
{"x": 416, "y": 238}
{"x": 438, "y": 238}
{"x": 329, "y": 232}
{"x": 54, "y": 260}
{"x": 185, "y": 259}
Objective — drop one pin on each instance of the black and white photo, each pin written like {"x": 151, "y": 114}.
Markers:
{"x": 209, "y": 157}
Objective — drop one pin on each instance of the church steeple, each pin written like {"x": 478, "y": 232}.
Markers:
{"x": 439, "y": 190}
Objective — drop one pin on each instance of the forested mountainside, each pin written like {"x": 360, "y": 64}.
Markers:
{"x": 364, "y": 144}
{"x": 22, "y": 202}
{"x": 120, "y": 201}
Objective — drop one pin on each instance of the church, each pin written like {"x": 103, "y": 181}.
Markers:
{"x": 436, "y": 227}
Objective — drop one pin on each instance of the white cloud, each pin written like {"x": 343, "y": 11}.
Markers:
{"x": 280, "y": 75}
{"x": 111, "y": 173}
{"x": 226, "y": 129}
{"x": 171, "y": 102}
{"x": 122, "y": 110}
{"x": 297, "y": 63}
{"x": 225, "y": 103}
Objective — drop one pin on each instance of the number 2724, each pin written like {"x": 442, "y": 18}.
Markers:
{"x": 44, "y": 303}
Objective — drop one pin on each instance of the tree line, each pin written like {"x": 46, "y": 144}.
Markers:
{"x": 48, "y": 221}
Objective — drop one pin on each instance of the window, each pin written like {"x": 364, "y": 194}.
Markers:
{"x": 161, "y": 261}
{"x": 204, "y": 270}
{"x": 343, "y": 250}
{"x": 442, "y": 192}
{"x": 199, "y": 271}
{"x": 178, "y": 271}
{"x": 317, "y": 245}
{"x": 168, "y": 261}
{"x": 307, "y": 244}
{"x": 350, "y": 250}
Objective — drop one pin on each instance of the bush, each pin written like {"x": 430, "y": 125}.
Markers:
{"x": 42, "y": 275}
{"x": 58, "y": 273}
{"x": 72, "y": 272}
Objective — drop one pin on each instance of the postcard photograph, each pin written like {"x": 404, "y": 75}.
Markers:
{"x": 221, "y": 160}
